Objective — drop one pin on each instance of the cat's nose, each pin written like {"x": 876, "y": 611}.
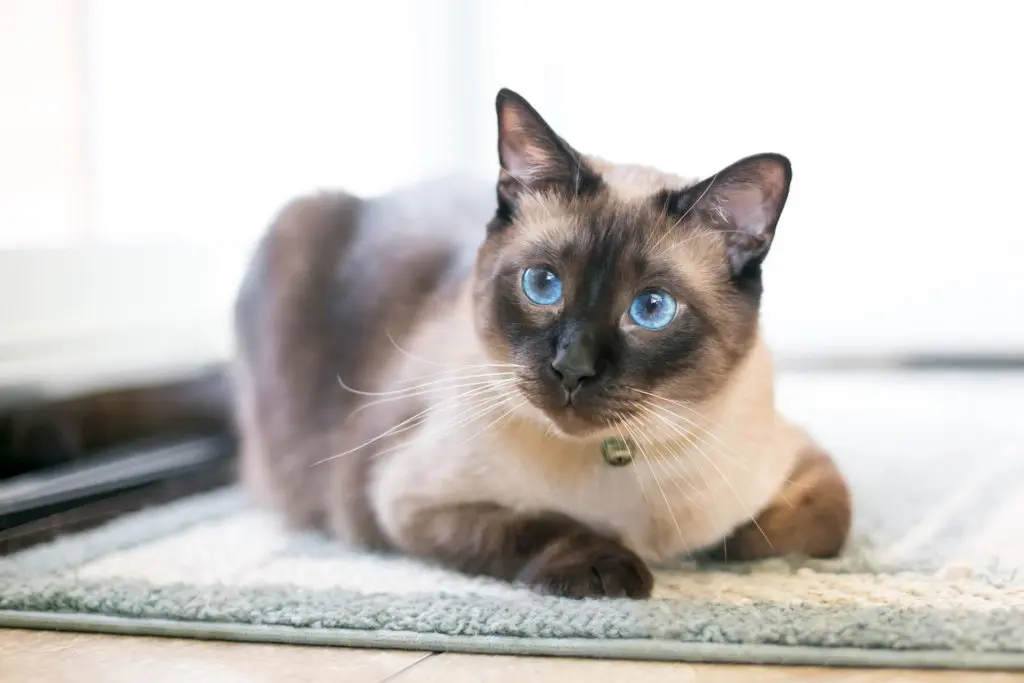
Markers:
{"x": 573, "y": 365}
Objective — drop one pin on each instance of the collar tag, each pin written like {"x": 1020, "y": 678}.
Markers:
{"x": 616, "y": 452}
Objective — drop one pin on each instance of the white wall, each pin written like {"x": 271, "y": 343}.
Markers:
{"x": 209, "y": 114}
{"x": 43, "y": 143}
{"x": 191, "y": 123}
{"x": 71, "y": 317}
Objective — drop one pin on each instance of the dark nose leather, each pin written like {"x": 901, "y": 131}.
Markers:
{"x": 574, "y": 361}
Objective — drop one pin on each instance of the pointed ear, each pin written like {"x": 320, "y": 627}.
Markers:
{"x": 744, "y": 201}
{"x": 532, "y": 156}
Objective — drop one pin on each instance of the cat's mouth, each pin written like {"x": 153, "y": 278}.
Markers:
{"x": 577, "y": 414}
{"x": 590, "y": 410}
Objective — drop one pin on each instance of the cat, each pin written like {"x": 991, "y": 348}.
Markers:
{"x": 441, "y": 371}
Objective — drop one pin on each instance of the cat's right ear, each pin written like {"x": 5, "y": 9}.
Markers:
{"x": 744, "y": 200}
{"x": 533, "y": 157}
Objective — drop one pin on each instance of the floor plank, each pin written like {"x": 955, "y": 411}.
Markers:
{"x": 47, "y": 657}
{"x": 449, "y": 668}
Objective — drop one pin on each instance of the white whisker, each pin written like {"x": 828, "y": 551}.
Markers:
{"x": 406, "y": 390}
{"x": 450, "y": 366}
{"x": 632, "y": 460}
{"x": 729, "y": 453}
{"x": 661, "y": 489}
{"x": 670, "y": 461}
{"x": 693, "y": 411}
{"x": 725, "y": 479}
{"x": 466, "y": 417}
{"x": 455, "y": 372}
{"x": 686, "y": 436}
{"x": 393, "y": 429}
{"x": 475, "y": 387}
{"x": 498, "y": 419}
{"x": 660, "y": 449}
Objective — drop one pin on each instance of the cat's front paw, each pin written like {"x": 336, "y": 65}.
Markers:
{"x": 588, "y": 566}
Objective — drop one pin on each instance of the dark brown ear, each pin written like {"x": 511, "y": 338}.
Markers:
{"x": 533, "y": 157}
{"x": 744, "y": 201}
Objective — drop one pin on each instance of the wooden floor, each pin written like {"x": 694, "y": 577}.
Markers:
{"x": 46, "y": 657}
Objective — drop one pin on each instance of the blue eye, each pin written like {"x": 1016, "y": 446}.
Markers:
{"x": 542, "y": 286}
{"x": 653, "y": 310}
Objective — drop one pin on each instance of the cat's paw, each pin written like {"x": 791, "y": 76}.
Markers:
{"x": 588, "y": 566}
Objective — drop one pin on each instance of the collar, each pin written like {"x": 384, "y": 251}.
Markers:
{"x": 616, "y": 452}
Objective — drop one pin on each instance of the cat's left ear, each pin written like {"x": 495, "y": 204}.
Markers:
{"x": 533, "y": 157}
{"x": 744, "y": 200}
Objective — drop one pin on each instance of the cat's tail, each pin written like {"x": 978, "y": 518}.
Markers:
{"x": 38, "y": 432}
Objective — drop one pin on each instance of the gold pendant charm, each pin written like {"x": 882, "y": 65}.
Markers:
{"x": 616, "y": 452}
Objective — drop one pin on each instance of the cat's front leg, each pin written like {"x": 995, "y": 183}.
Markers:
{"x": 552, "y": 553}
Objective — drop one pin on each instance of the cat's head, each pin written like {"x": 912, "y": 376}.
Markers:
{"x": 609, "y": 284}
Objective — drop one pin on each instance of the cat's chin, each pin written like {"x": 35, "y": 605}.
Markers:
{"x": 568, "y": 423}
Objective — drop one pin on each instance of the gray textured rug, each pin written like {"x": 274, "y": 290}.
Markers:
{"x": 932, "y": 578}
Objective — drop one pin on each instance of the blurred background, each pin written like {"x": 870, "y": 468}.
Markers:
{"x": 145, "y": 144}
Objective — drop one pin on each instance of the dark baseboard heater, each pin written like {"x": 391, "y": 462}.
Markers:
{"x": 42, "y": 504}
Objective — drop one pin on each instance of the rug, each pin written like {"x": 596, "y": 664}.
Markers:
{"x": 932, "y": 577}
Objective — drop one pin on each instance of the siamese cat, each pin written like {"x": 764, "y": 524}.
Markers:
{"x": 560, "y": 384}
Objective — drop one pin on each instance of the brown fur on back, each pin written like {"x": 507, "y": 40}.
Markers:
{"x": 334, "y": 281}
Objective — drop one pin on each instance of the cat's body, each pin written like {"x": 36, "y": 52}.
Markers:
{"x": 389, "y": 390}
